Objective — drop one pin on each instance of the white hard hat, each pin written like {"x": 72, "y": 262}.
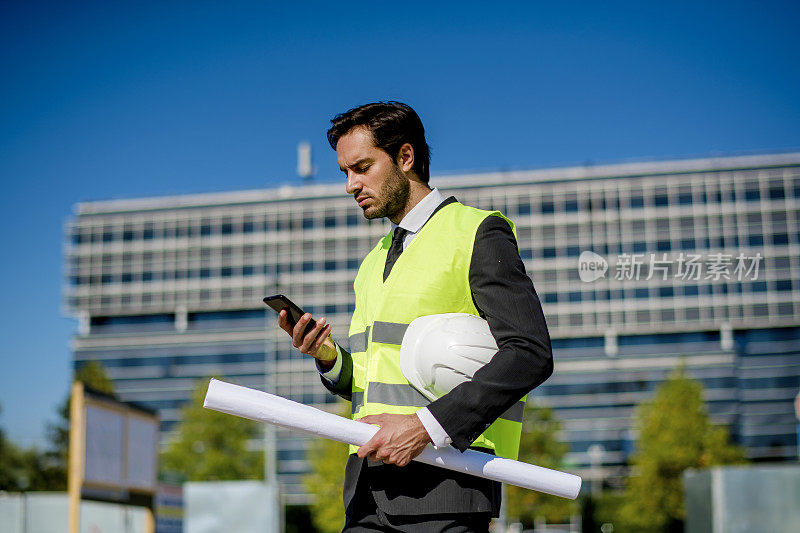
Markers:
{"x": 440, "y": 352}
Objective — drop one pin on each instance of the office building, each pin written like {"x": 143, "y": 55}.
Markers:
{"x": 698, "y": 262}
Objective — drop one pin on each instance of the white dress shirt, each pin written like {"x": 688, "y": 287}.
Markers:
{"x": 412, "y": 222}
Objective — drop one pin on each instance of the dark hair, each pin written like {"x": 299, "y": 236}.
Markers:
{"x": 392, "y": 124}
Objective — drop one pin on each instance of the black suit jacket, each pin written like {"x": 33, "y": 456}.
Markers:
{"x": 504, "y": 295}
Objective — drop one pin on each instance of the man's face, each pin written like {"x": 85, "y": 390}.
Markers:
{"x": 373, "y": 178}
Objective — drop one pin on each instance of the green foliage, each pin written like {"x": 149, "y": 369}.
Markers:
{"x": 94, "y": 375}
{"x": 606, "y": 509}
{"x": 327, "y": 459}
{"x": 24, "y": 469}
{"x": 675, "y": 433}
{"x": 539, "y": 446}
{"x": 9, "y": 462}
{"x": 212, "y": 446}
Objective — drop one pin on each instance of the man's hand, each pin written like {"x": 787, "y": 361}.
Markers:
{"x": 317, "y": 342}
{"x": 399, "y": 439}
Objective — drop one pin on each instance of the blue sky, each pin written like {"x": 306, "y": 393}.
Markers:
{"x": 102, "y": 100}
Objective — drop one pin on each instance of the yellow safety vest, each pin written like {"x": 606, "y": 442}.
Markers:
{"x": 430, "y": 277}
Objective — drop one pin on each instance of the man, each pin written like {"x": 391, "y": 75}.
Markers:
{"x": 441, "y": 257}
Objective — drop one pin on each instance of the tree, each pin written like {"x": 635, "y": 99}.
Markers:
{"x": 540, "y": 446}
{"x": 24, "y": 469}
{"x": 9, "y": 464}
{"x": 54, "y": 462}
{"x": 675, "y": 433}
{"x": 327, "y": 459}
{"x": 212, "y": 446}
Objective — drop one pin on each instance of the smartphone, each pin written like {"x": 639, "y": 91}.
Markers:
{"x": 280, "y": 302}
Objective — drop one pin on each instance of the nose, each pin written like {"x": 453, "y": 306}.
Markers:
{"x": 353, "y": 184}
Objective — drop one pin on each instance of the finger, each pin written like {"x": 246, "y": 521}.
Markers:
{"x": 368, "y": 449}
{"x": 314, "y": 335}
{"x": 375, "y": 420}
{"x": 326, "y": 331}
{"x": 366, "y": 419}
{"x": 383, "y": 455}
{"x": 283, "y": 322}
{"x": 311, "y": 337}
{"x": 299, "y": 329}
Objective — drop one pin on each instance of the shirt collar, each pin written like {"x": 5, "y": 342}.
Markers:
{"x": 420, "y": 213}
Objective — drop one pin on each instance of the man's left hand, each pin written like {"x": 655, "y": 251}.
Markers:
{"x": 399, "y": 439}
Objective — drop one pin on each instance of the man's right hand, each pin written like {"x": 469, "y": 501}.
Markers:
{"x": 317, "y": 342}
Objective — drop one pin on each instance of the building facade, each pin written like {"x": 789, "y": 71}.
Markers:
{"x": 640, "y": 267}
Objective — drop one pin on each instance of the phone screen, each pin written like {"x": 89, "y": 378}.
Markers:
{"x": 279, "y": 302}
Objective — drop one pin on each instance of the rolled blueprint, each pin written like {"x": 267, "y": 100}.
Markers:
{"x": 264, "y": 407}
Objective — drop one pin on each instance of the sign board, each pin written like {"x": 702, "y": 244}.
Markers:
{"x": 169, "y": 509}
{"x": 113, "y": 452}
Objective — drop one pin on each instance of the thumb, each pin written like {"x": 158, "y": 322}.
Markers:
{"x": 372, "y": 419}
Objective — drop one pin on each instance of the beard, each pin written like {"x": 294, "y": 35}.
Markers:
{"x": 393, "y": 196}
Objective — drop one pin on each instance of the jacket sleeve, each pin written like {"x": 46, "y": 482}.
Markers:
{"x": 504, "y": 295}
{"x": 344, "y": 386}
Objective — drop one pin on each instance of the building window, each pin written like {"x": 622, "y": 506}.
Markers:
{"x": 571, "y": 205}
{"x": 690, "y": 290}
{"x": 780, "y": 238}
{"x": 776, "y": 191}
{"x": 752, "y": 194}
{"x": 758, "y": 286}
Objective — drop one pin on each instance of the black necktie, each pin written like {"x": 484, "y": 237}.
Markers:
{"x": 394, "y": 250}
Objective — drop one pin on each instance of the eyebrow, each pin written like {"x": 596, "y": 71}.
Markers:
{"x": 360, "y": 161}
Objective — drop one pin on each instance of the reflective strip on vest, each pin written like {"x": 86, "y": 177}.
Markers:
{"x": 358, "y": 342}
{"x": 514, "y": 413}
{"x": 388, "y": 332}
{"x": 357, "y": 400}
{"x": 401, "y": 394}
{"x": 395, "y": 394}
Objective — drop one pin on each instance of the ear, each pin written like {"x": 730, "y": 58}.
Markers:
{"x": 405, "y": 157}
